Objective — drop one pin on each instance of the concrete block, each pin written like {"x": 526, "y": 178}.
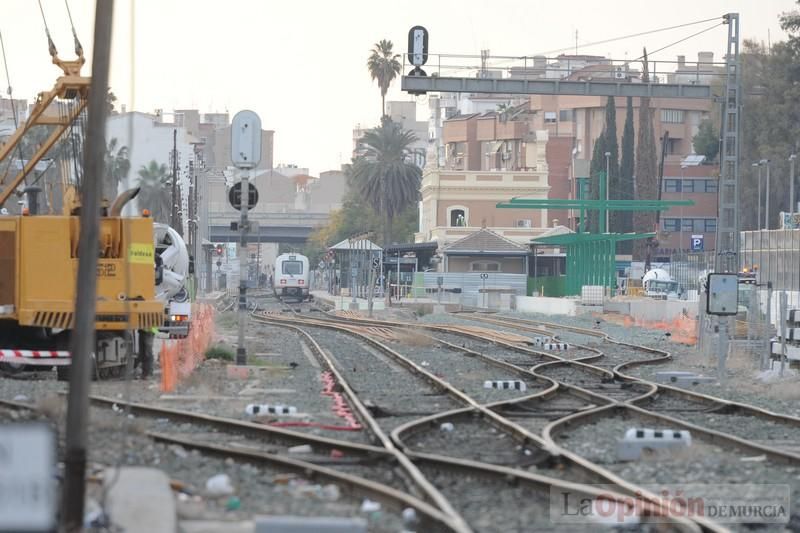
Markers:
{"x": 637, "y": 440}
{"x": 693, "y": 380}
{"x": 672, "y": 376}
{"x": 555, "y": 346}
{"x": 266, "y": 409}
{"x": 140, "y": 500}
{"x": 210, "y": 526}
{"x": 310, "y": 524}
{"x": 515, "y": 384}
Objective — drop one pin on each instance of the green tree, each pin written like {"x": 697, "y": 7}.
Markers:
{"x": 383, "y": 178}
{"x": 626, "y": 172}
{"x": 612, "y": 146}
{"x": 156, "y": 191}
{"x": 706, "y": 141}
{"x": 111, "y": 102}
{"x": 383, "y": 67}
{"x": 645, "y": 169}
{"x": 117, "y": 167}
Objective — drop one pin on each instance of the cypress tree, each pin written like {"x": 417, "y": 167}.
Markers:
{"x": 626, "y": 175}
{"x": 596, "y": 167}
{"x": 645, "y": 169}
{"x": 612, "y": 146}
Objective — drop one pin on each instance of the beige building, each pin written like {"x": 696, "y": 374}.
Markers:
{"x": 462, "y": 197}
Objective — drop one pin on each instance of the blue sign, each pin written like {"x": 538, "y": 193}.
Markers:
{"x": 697, "y": 243}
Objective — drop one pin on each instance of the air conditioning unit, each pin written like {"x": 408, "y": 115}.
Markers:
{"x": 619, "y": 73}
{"x": 506, "y": 156}
{"x": 526, "y": 223}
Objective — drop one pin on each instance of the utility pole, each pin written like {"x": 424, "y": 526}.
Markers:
{"x": 82, "y": 343}
{"x": 766, "y": 208}
{"x": 173, "y": 219}
{"x": 792, "y": 204}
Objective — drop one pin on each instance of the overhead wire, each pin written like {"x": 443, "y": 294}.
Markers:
{"x": 678, "y": 41}
{"x": 10, "y": 93}
{"x": 630, "y": 36}
{"x": 614, "y": 39}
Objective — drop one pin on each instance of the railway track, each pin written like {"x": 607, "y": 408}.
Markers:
{"x": 526, "y": 440}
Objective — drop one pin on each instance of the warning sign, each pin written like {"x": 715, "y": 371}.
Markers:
{"x": 141, "y": 253}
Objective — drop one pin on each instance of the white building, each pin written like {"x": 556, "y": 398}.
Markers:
{"x": 148, "y": 139}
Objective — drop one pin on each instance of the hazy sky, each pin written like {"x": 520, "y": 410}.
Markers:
{"x": 301, "y": 64}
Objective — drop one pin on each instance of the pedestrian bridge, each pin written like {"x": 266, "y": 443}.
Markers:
{"x": 272, "y": 227}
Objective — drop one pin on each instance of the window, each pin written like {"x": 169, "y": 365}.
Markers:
{"x": 671, "y": 185}
{"x": 292, "y": 268}
{"x": 457, "y": 216}
{"x": 550, "y": 117}
{"x": 672, "y": 224}
{"x": 672, "y": 116}
{"x": 710, "y": 225}
{"x": 566, "y": 115}
{"x": 688, "y": 224}
{"x": 484, "y": 266}
{"x": 711, "y": 186}
{"x": 689, "y": 186}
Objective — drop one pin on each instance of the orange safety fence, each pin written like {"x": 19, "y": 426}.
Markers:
{"x": 179, "y": 357}
{"x": 682, "y": 329}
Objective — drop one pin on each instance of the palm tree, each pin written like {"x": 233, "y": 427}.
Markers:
{"x": 155, "y": 193}
{"x": 383, "y": 66}
{"x": 117, "y": 167}
{"x": 383, "y": 176}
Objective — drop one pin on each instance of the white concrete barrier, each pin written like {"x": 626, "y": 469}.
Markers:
{"x": 545, "y": 305}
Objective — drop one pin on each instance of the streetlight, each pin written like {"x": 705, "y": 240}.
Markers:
{"x": 758, "y": 218}
{"x": 608, "y": 166}
{"x": 766, "y": 194}
{"x": 680, "y": 233}
{"x": 792, "y": 204}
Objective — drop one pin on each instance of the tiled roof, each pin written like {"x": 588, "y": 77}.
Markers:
{"x": 485, "y": 240}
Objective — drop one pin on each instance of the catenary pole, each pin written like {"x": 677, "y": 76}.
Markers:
{"x": 83, "y": 334}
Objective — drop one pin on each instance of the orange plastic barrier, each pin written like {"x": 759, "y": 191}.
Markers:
{"x": 682, "y": 329}
{"x": 179, "y": 357}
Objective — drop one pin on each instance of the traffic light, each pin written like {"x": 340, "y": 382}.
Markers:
{"x": 220, "y": 249}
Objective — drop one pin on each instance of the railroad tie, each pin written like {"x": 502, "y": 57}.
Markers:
{"x": 516, "y": 384}
{"x": 256, "y": 409}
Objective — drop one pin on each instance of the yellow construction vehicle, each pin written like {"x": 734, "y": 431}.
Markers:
{"x": 38, "y": 248}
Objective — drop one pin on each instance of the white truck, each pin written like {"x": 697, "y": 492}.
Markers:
{"x": 657, "y": 283}
{"x": 173, "y": 269}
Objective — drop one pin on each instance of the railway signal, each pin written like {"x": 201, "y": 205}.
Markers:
{"x": 246, "y": 155}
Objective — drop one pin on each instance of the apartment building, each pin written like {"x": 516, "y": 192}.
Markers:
{"x": 489, "y": 158}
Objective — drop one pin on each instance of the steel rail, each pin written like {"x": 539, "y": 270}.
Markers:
{"x": 539, "y": 442}
{"x": 436, "y": 519}
{"x": 421, "y": 482}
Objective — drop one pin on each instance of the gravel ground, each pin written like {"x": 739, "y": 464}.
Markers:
{"x": 465, "y": 372}
{"x": 393, "y": 392}
{"x": 742, "y": 385}
{"x": 491, "y": 505}
{"x": 259, "y": 489}
{"x": 473, "y": 439}
{"x": 462, "y": 319}
{"x": 702, "y": 463}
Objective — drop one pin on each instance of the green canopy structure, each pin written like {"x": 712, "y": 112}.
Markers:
{"x": 591, "y": 257}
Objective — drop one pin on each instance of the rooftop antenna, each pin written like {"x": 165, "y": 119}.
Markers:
{"x": 576, "y": 41}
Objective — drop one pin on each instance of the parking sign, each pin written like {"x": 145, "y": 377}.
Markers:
{"x": 697, "y": 243}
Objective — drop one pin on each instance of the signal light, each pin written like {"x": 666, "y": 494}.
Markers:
{"x": 146, "y": 213}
